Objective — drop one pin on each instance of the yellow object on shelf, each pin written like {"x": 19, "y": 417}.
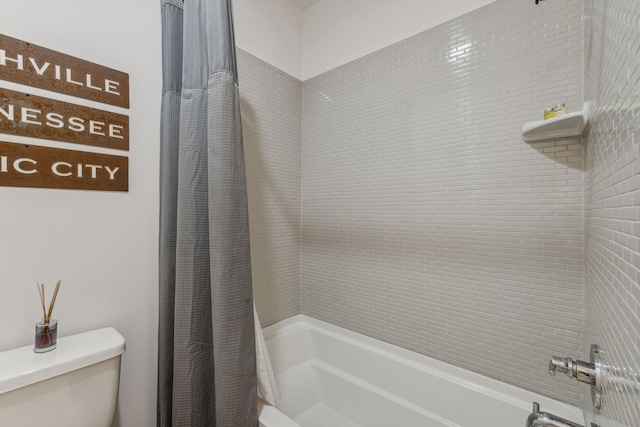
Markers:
{"x": 549, "y": 113}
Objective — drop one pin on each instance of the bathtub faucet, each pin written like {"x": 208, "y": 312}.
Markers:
{"x": 590, "y": 373}
{"x": 545, "y": 419}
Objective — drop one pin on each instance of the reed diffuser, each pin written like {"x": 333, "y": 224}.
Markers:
{"x": 47, "y": 330}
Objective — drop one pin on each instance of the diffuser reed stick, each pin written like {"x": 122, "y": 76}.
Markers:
{"x": 47, "y": 314}
{"x": 53, "y": 301}
{"x": 41, "y": 293}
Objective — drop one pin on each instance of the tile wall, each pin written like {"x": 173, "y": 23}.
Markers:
{"x": 426, "y": 221}
{"x": 271, "y": 108}
{"x": 612, "y": 192}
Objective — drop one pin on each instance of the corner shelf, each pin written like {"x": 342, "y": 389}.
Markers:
{"x": 565, "y": 126}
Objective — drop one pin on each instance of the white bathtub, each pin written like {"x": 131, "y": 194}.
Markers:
{"x": 332, "y": 377}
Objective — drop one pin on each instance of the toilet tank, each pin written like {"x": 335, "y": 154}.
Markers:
{"x": 75, "y": 385}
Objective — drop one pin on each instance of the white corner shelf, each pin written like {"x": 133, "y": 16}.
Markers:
{"x": 565, "y": 126}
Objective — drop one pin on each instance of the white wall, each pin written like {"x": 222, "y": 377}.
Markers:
{"x": 333, "y": 32}
{"x": 103, "y": 246}
{"x": 272, "y": 31}
{"x": 337, "y": 31}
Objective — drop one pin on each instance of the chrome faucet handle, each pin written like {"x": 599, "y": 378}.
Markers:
{"x": 589, "y": 373}
{"x": 560, "y": 364}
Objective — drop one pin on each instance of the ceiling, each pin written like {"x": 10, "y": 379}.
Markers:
{"x": 304, "y": 4}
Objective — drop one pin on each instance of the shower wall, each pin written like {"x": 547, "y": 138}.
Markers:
{"x": 612, "y": 192}
{"x": 271, "y": 108}
{"x": 426, "y": 221}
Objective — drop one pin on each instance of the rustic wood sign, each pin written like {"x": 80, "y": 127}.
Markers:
{"x": 35, "y": 66}
{"x": 37, "y": 117}
{"x": 32, "y": 166}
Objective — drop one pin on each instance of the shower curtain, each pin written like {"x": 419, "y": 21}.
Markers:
{"x": 207, "y": 364}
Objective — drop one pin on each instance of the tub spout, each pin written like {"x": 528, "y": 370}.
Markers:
{"x": 545, "y": 419}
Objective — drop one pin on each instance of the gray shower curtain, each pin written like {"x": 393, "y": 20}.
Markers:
{"x": 206, "y": 348}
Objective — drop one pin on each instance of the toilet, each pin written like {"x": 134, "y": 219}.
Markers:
{"x": 75, "y": 385}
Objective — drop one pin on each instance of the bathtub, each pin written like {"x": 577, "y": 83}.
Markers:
{"x": 332, "y": 377}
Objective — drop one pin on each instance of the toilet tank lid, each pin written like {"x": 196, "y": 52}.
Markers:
{"x": 21, "y": 367}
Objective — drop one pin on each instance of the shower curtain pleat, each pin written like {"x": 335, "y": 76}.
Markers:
{"x": 207, "y": 364}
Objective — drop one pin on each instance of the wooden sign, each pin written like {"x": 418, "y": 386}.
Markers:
{"x": 37, "y": 117}
{"x": 35, "y": 66}
{"x": 42, "y": 167}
